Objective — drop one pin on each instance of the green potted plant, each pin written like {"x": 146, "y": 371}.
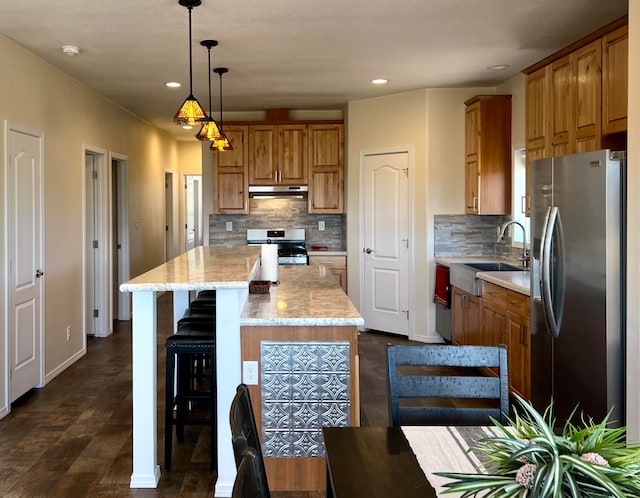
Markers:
{"x": 528, "y": 460}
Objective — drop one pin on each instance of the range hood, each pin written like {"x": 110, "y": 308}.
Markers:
{"x": 275, "y": 191}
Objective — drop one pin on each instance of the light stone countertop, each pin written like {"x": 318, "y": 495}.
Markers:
{"x": 306, "y": 296}
{"x": 201, "y": 268}
{"x": 331, "y": 251}
{"x": 518, "y": 281}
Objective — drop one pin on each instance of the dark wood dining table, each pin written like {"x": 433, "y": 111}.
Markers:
{"x": 372, "y": 462}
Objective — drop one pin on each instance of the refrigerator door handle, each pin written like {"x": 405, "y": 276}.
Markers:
{"x": 545, "y": 270}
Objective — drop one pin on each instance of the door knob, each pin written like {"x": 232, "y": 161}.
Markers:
{"x": 39, "y": 273}
{"x": 368, "y": 250}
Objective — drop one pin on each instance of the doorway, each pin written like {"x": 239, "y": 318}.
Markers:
{"x": 24, "y": 266}
{"x": 97, "y": 293}
{"x": 193, "y": 210}
{"x": 386, "y": 244}
{"x": 120, "y": 236}
{"x": 168, "y": 215}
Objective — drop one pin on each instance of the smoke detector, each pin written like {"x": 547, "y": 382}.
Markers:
{"x": 70, "y": 50}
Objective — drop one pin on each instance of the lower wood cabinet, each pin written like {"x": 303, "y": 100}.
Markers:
{"x": 505, "y": 320}
{"x": 499, "y": 316}
{"x": 337, "y": 266}
{"x": 519, "y": 355}
{"x": 467, "y": 320}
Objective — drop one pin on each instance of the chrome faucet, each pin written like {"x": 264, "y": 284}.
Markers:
{"x": 525, "y": 251}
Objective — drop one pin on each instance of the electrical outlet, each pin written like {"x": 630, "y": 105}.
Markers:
{"x": 229, "y": 226}
{"x": 68, "y": 332}
{"x": 250, "y": 372}
{"x": 321, "y": 226}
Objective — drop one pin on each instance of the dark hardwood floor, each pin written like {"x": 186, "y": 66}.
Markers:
{"x": 73, "y": 438}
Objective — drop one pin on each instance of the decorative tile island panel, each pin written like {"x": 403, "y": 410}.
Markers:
{"x": 305, "y": 385}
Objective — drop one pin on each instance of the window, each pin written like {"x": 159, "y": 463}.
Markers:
{"x": 519, "y": 188}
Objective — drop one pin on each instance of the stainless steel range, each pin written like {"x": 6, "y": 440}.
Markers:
{"x": 291, "y": 243}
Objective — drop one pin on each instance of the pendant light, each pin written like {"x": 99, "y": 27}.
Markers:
{"x": 209, "y": 130}
{"x": 221, "y": 143}
{"x": 191, "y": 111}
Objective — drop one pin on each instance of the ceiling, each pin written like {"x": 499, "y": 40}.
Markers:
{"x": 297, "y": 54}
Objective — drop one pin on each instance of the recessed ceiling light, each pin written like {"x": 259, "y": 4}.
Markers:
{"x": 70, "y": 50}
{"x": 379, "y": 81}
{"x": 187, "y": 127}
{"x": 497, "y": 67}
{"x": 173, "y": 84}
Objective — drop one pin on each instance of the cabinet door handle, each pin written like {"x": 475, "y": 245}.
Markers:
{"x": 475, "y": 204}
{"x": 463, "y": 298}
{"x": 522, "y": 339}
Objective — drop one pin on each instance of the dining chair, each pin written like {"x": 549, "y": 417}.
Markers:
{"x": 447, "y": 385}
{"x": 247, "y": 483}
{"x": 244, "y": 434}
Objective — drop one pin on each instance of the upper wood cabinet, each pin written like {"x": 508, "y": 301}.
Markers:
{"x": 326, "y": 168}
{"x": 278, "y": 154}
{"x": 576, "y": 99}
{"x": 578, "y": 95}
{"x": 231, "y": 173}
{"x": 537, "y": 137}
{"x": 574, "y": 103}
{"x": 560, "y": 107}
{"x": 587, "y": 97}
{"x": 615, "y": 67}
{"x": 488, "y": 155}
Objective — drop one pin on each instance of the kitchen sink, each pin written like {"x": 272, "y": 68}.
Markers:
{"x": 494, "y": 266}
{"x": 464, "y": 275}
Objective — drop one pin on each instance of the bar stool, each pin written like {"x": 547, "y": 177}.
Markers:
{"x": 202, "y": 315}
{"x": 181, "y": 348}
{"x": 205, "y": 300}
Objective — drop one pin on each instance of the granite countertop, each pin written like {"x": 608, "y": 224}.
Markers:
{"x": 329, "y": 251}
{"x": 306, "y": 296}
{"x": 203, "y": 267}
{"x": 518, "y": 281}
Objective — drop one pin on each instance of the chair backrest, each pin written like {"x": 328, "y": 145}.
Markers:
{"x": 248, "y": 482}
{"x": 244, "y": 433}
{"x": 462, "y": 377}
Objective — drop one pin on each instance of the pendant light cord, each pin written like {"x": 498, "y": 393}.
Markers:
{"x": 190, "y": 55}
{"x": 209, "y": 71}
{"x": 220, "y": 125}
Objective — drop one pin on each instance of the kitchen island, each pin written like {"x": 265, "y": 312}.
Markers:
{"x": 303, "y": 336}
{"x": 228, "y": 270}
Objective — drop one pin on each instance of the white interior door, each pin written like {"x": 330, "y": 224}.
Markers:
{"x": 98, "y": 278}
{"x": 193, "y": 221}
{"x": 25, "y": 262}
{"x": 386, "y": 242}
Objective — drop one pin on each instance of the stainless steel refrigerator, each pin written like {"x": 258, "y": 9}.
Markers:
{"x": 578, "y": 206}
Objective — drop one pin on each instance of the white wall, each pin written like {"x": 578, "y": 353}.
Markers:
{"x": 37, "y": 95}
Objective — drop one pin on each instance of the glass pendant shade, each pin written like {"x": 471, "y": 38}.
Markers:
{"x": 209, "y": 131}
{"x": 190, "y": 113}
{"x": 221, "y": 144}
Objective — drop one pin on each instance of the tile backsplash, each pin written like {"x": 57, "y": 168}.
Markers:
{"x": 278, "y": 213}
{"x": 470, "y": 235}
